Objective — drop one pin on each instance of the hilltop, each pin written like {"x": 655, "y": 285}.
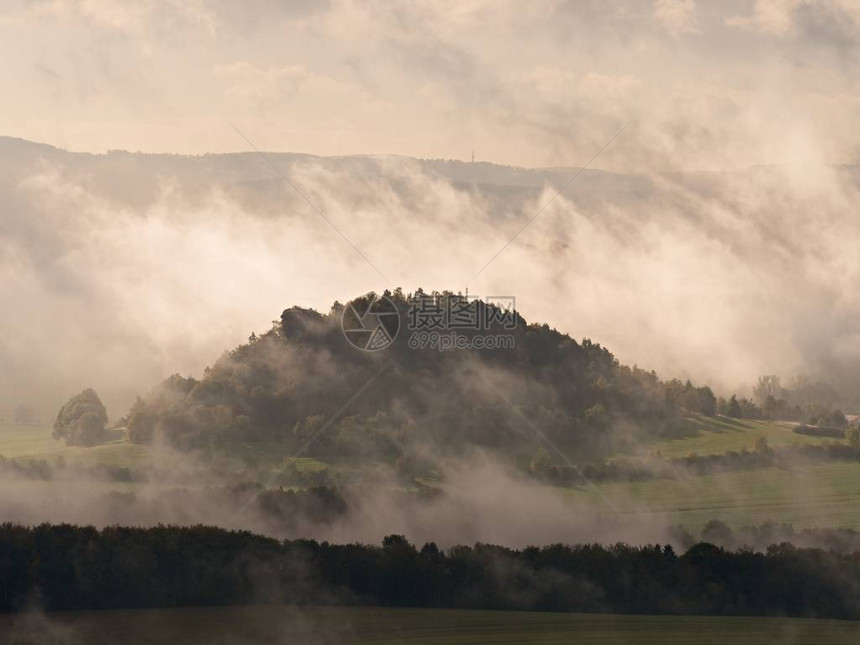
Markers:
{"x": 289, "y": 385}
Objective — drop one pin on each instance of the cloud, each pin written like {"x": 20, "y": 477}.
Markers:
{"x": 831, "y": 24}
{"x": 677, "y": 16}
{"x": 769, "y": 16}
{"x": 249, "y": 83}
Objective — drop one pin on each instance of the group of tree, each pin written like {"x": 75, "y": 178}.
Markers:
{"x": 808, "y": 401}
{"x": 837, "y": 540}
{"x": 286, "y": 384}
{"x": 736, "y": 408}
{"x": 25, "y": 414}
{"x": 772, "y": 401}
{"x": 686, "y": 396}
{"x": 82, "y": 421}
{"x": 803, "y": 391}
{"x": 77, "y": 568}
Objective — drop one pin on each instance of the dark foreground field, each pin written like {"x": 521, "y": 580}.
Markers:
{"x": 369, "y": 626}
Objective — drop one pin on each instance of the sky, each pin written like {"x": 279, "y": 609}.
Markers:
{"x": 704, "y": 85}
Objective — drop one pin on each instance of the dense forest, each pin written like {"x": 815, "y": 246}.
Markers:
{"x": 284, "y": 384}
{"x": 71, "y": 567}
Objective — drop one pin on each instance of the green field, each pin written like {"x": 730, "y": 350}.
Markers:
{"x": 716, "y": 435}
{"x": 374, "y": 626}
{"x": 818, "y": 495}
{"x": 36, "y": 442}
{"x": 821, "y": 495}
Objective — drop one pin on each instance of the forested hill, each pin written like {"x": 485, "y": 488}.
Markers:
{"x": 412, "y": 398}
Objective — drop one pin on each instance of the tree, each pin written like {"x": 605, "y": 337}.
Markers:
{"x": 733, "y": 408}
{"x": 541, "y": 462}
{"x": 761, "y": 446}
{"x": 837, "y": 420}
{"x": 141, "y": 422}
{"x": 82, "y": 420}
{"x": 394, "y": 542}
{"x": 805, "y": 391}
{"x": 769, "y": 407}
{"x": 767, "y": 386}
{"x": 707, "y": 401}
{"x": 719, "y": 533}
{"x": 25, "y": 415}
{"x": 852, "y": 434}
{"x": 817, "y": 414}
{"x": 90, "y": 429}
{"x": 311, "y": 432}
{"x": 749, "y": 410}
{"x": 596, "y": 417}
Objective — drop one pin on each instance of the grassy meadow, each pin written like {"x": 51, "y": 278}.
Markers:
{"x": 36, "y": 442}
{"x": 821, "y": 495}
{"x": 33, "y": 442}
{"x": 702, "y": 435}
{"x": 377, "y": 626}
{"x": 817, "y": 495}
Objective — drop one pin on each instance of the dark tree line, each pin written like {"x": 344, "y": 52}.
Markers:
{"x": 808, "y": 401}
{"x": 845, "y": 541}
{"x": 71, "y": 567}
